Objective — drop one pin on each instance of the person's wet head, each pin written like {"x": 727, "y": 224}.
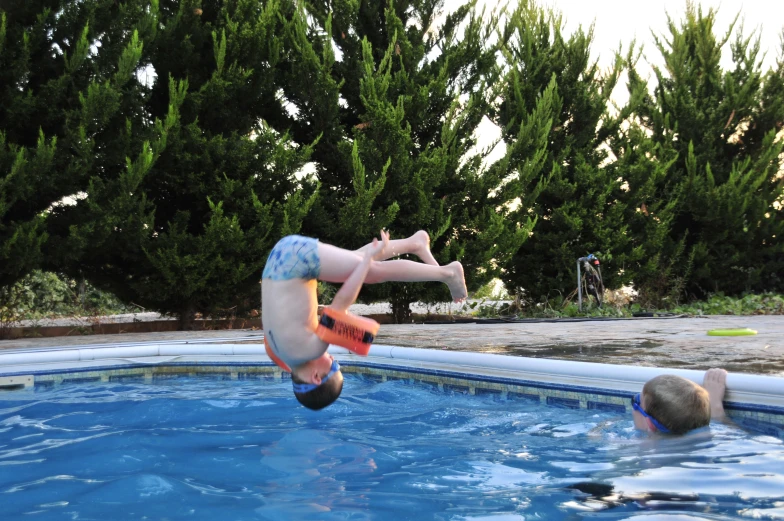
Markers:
{"x": 318, "y": 383}
{"x": 671, "y": 404}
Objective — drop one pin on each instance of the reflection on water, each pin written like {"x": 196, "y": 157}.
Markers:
{"x": 202, "y": 448}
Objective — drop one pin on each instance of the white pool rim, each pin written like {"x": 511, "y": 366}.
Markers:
{"x": 747, "y": 389}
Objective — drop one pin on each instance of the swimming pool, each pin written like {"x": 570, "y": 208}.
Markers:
{"x": 205, "y": 447}
{"x": 178, "y": 434}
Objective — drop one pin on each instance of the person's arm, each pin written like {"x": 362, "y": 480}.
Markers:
{"x": 349, "y": 291}
{"x": 715, "y": 382}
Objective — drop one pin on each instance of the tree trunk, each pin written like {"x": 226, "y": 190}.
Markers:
{"x": 187, "y": 317}
{"x": 401, "y": 311}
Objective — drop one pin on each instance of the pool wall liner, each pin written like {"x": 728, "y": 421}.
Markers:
{"x": 558, "y": 382}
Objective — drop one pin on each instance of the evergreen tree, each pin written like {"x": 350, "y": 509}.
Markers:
{"x": 578, "y": 210}
{"x": 644, "y": 165}
{"x": 67, "y": 89}
{"x": 134, "y": 138}
{"x": 397, "y": 106}
{"x": 724, "y": 190}
{"x": 771, "y": 276}
{"x": 199, "y": 227}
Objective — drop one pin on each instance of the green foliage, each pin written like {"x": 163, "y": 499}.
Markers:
{"x": 554, "y": 307}
{"x": 761, "y": 304}
{"x": 326, "y": 292}
{"x": 43, "y": 294}
{"x": 63, "y": 106}
{"x": 155, "y": 149}
{"x": 702, "y": 163}
{"x": 397, "y": 113}
{"x": 152, "y": 127}
{"x": 489, "y": 309}
{"x": 556, "y": 124}
{"x": 11, "y": 299}
{"x": 491, "y": 290}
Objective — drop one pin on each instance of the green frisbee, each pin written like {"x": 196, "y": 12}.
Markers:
{"x": 732, "y": 332}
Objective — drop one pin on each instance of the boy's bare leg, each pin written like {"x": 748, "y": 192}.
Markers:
{"x": 408, "y": 271}
{"x": 338, "y": 264}
{"x": 715, "y": 382}
{"x": 418, "y": 244}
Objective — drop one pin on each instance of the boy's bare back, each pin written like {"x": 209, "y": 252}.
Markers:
{"x": 290, "y": 318}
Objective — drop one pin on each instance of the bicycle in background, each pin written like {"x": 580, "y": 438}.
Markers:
{"x": 590, "y": 280}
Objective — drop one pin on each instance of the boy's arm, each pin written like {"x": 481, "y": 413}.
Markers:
{"x": 715, "y": 382}
{"x": 349, "y": 291}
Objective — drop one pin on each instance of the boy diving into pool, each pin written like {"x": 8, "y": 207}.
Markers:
{"x": 290, "y": 307}
{"x": 674, "y": 405}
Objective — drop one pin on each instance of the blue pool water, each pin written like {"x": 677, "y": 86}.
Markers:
{"x": 219, "y": 450}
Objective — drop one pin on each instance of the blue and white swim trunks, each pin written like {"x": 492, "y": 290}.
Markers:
{"x": 293, "y": 257}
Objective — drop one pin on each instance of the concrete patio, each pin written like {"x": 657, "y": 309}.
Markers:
{"x": 651, "y": 342}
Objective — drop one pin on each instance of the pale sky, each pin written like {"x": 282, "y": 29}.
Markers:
{"x": 619, "y": 21}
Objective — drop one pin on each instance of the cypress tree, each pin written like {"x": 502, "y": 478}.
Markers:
{"x": 771, "y": 276}
{"x": 397, "y": 106}
{"x": 184, "y": 226}
{"x": 643, "y": 164}
{"x": 67, "y": 89}
{"x": 578, "y": 210}
{"x": 226, "y": 188}
{"x": 724, "y": 189}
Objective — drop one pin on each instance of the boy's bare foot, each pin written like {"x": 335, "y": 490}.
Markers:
{"x": 422, "y": 240}
{"x": 715, "y": 382}
{"x": 456, "y": 282}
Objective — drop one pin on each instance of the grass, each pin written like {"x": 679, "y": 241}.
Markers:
{"x": 764, "y": 304}
{"x": 759, "y": 304}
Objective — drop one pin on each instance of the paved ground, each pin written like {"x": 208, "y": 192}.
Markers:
{"x": 357, "y": 309}
{"x": 657, "y": 342}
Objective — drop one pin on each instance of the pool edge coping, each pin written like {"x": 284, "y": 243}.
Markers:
{"x": 741, "y": 388}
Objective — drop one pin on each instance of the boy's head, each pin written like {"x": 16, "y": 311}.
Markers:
{"x": 678, "y": 404}
{"x": 318, "y": 383}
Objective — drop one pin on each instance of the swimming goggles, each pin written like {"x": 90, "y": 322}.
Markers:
{"x": 306, "y": 388}
{"x": 637, "y": 407}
